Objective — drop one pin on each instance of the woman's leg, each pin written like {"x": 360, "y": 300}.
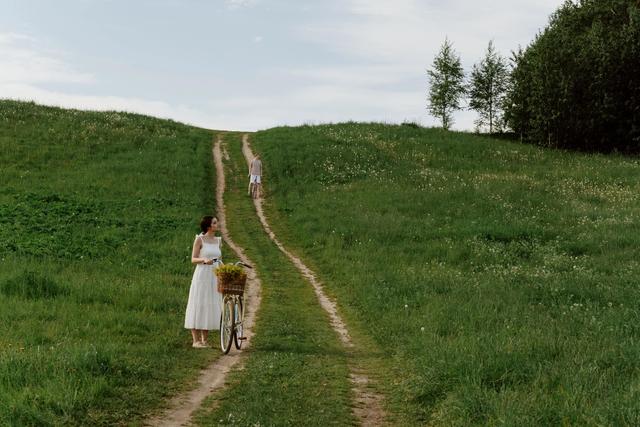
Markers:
{"x": 204, "y": 334}
{"x": 195, "y": 336}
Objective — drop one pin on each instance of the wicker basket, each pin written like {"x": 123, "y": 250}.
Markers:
{"x": 233, "y": 286}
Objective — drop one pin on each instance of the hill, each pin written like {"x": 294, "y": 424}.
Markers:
{"x": 97, "y": 216}
{"x": 500, "y": 278}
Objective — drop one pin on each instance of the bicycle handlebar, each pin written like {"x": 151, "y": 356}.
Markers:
{"x": 243, "y": 264}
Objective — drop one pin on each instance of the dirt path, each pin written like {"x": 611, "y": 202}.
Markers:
{"x": 367, "y": 405}
{"x": 213, "y": 377}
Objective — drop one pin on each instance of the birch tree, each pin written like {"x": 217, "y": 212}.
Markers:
{"x": 488, "y": 87}
{"x": 446, "y": 84}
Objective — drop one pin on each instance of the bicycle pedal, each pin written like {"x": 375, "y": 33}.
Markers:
{"x": 242, "y": 338}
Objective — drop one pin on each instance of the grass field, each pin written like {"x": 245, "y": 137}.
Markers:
{"x": 501, "y": 279}
{"x": 97, "y": 217}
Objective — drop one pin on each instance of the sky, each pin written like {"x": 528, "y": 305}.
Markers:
{"x": 251, "y": 64}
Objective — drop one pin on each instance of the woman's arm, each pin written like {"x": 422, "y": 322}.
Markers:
{"x": 195, "y": 253}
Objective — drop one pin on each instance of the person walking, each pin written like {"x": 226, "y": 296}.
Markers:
{"x": 255, "y": 175}
{"x": 204, "y": 307}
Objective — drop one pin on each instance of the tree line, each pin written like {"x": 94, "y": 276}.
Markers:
{"x": 576, "y": 86}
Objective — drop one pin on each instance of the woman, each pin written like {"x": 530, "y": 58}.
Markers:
{"x": 204, "y": 306}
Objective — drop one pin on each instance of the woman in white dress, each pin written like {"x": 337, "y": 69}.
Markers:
{"x": 205, "y": 303}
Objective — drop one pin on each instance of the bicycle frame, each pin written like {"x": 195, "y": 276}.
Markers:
{"x": 232, "y": 319}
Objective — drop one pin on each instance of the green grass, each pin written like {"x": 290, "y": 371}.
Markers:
{"x": 296, "y": 372}
{"x": 97, "y": 217}
{"x": 501, "y": 279}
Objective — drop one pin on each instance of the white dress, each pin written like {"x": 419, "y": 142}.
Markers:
{"x": 205, "y": 303}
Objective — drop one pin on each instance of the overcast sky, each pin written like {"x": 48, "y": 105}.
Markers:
{"x": 250, "y": 64}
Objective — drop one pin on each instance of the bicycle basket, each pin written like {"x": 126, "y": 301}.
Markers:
{"x": 231, "y": 279}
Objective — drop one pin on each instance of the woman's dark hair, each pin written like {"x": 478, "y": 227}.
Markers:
{"x": 205, "y": 223}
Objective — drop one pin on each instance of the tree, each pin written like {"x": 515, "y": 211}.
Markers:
{"x": 488, "y": 88}
{"x": 514, "y": 103}
{"x": 446, "y": 80}
{"x": 577, "y": 85}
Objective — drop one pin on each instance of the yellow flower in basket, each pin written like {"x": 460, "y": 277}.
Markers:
{"x": 231, "y": 279}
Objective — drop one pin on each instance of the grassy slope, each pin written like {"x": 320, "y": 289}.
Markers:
{"x": 296, "y": 373}
{"x": 97, "y": 217}
{"x": 500, "y": 278}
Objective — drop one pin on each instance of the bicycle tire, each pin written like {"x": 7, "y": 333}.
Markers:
{"x": 238, "y": 323}
{"x": 226, "y": 326}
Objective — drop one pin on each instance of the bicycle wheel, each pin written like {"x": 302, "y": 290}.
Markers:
{"x": 226, "y": 325}
{"x": 238, "y": 322}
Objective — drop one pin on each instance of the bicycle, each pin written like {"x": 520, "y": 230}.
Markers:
{"x": 232, "y": 317}
{"x": 254, "y": 190}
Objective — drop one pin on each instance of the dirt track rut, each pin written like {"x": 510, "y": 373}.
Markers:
{"x": 367, "y": 404}
{"x": 212, "y": 378}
